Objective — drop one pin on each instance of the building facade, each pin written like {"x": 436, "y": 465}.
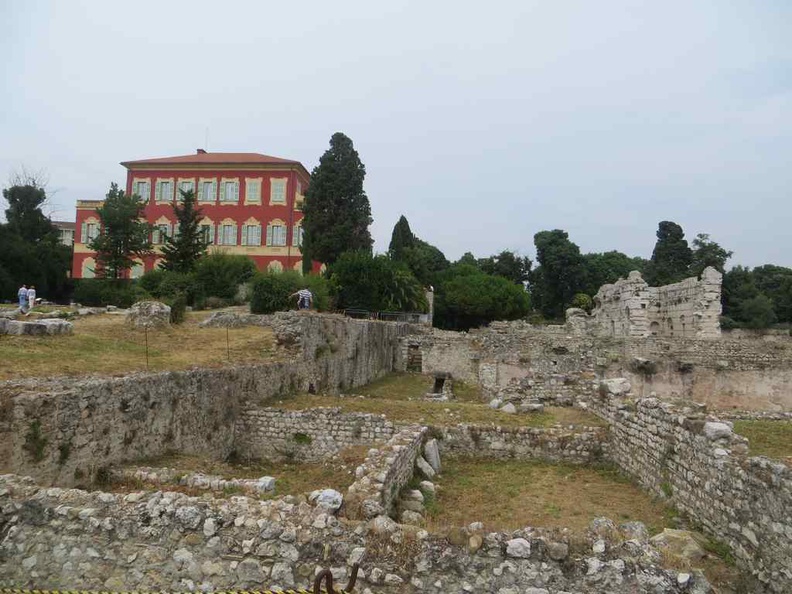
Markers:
{"x": 250, "y": 205}
{"x": 65, "y": 232}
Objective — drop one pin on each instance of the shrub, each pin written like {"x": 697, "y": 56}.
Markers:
{"x": 219, "y": 275}
{"x": 271, "y": 291}
{"x": 101, "y": 292}
{"x": 163, "y": 284}
{"x": 178, "y": 305}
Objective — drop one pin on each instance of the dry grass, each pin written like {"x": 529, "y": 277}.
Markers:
{"x": 290, "y": 478}
{"x": 507, "y": 495}
{"x": 104, "y": 345}
{"x": 399, "y": 396}
{"x": 767, "y": 438}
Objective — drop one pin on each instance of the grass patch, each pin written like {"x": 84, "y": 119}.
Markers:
{"x": 506, "y": 495}
{"x": 404, "y": 386}
{"x": 767, "y": 438}
{"x": 290, "y": 478}
{"x": 104, "y": 345}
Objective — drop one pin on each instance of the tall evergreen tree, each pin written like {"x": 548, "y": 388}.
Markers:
{"x": 188, "y": 244}
{"x": 401, "y": 238}
{"x": 560, "y": 275}
{"x": 24, "y": 214}
{"x": 671, "y": 257}
{"x": 124, "y": 234}
{"x": 337, "y": 213}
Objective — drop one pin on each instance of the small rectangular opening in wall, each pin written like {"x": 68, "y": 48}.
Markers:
{"x": 414, "y": 358}
{"x": 438, "y": 385}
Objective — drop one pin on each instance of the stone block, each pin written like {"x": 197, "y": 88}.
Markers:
{"x": 432, "y": 454}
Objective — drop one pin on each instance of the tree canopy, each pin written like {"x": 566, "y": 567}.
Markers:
{"x": 30, "y": 248}
{"x": 671, "y": 258}
{"x": 337, "y": 213}
{"x": 401, "y": 238}
{"x": 124, "y": 234}
{"x": 508, "y": 265}
{"x": 188, "y": 244}
{"x": 560, "y": 274}
{"x": 707, "y": 253}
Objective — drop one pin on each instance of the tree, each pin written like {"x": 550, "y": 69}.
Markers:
{"x": 469, "y": 298}
{"x": 188, "y": 244}
{"x": 375, "y": 283}
{"x": 336, "y": 211}
{"x": 24, "y": 214}
{"x": 508, "y": 265}
{"x": 776, "y": 283}
{"x": 560, "y": 274}
{"x": 757, "y": 312}
{"x": 671, "y": 257}
{"x": 30, "y": 248}
{"x": 607, "y": 268}
{"x": 707, "y": 253}
{"x": 401, "y": 238}
{"x": 124, "y": 234}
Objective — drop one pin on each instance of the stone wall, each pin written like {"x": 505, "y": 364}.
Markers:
{"x": 545, "y": 365}
{"x": 64, "y": 430}
{"x": 383, "y": 474}
{"x": 703, "y": 468}
{"x": 309, "y": 435}
{"x": 72, "y": 539}
{"x": 631, "y": 308}
{"x": 552, "y": 444}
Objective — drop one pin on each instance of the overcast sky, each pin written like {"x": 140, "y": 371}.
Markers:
{"x": 481, "y": 122}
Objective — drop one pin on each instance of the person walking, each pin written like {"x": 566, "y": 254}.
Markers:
{"x": 304, "y": 298}
{"x": 31, "y": 296}
{"x": 22, "y": 294}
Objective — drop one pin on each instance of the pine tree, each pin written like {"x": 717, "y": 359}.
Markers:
{"x": 124, "y": 234}
{"x": 337, "y": 211}
{"x": 671, "y": 257}
{"x": 188, "y": 244}
{"x": 401, "y": 238}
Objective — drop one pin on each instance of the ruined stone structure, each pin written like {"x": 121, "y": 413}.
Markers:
{"x": 63, "y": 431}
{"x": 630, "y": 308}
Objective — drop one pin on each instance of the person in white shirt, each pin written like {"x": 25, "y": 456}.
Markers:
{"x": 23, "y": 298}
{"x": 31, "y": 295}
{"x": 304, "y": 298}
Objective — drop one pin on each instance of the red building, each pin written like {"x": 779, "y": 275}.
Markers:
{"x": 250, "y": 204}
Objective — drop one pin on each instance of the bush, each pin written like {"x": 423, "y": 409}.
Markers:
{"x": 100, "y": 292}
{"x": 271, "y": 291}
{"x": 219, "y": 275}
{"x": 164, "y": 284}
{"x": 178, "y": 305}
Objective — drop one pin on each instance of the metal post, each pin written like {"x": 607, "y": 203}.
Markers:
{"x": 147, "y": 355}
{"x": 228, "y": 344}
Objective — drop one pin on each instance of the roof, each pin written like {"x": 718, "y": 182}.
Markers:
{"x": 202, "y": 157}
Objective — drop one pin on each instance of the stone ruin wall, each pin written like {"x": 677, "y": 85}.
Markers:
{"x": 168, "y": 541}
{"x": 306, "y": 435}
{"x": 703, "y": 468}
{"x": 559, "y": 364}
{"x": 630, "y": 308}
{"x": 64, "y": 430}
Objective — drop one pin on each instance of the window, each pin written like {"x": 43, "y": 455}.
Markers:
{"x": 164, "y": 191}
{"x": 208, "y": 233}
{"x": 251, "y": 235}
{"x": 278, "y": 191}
{"x": 186, "y": 186}
{"x": 297, "y": 236}
{"x": 276, "y": 234}
{"x": 228, "y": 234}
{"x": 229, "y": 191}
{"x": 253, "y": 190}
{"x": 206, "y": 191}
{"x": 89, "y": 232}
{"x": 299, "y": 189}
{"x": 160, "y": 232}
{"x": 142, "y": 189}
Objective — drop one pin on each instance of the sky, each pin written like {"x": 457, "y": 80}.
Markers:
{"x": 482, "y": 123}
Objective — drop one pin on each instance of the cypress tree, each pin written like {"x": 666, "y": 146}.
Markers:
{"x": 183, "y": 250}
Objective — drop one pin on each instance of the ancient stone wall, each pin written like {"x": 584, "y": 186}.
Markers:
{"x": 578, "y": 446}
{"x": 631, "y": 308}
{"x": 73, "y": 539}
{"x": 703, "y": 468}
{"x": 64, "y": 430}
{"x": 309, "y": 435}
{"x": 384, "y": 473}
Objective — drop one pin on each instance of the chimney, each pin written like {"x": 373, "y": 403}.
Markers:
{"x": 201, "y": 152}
